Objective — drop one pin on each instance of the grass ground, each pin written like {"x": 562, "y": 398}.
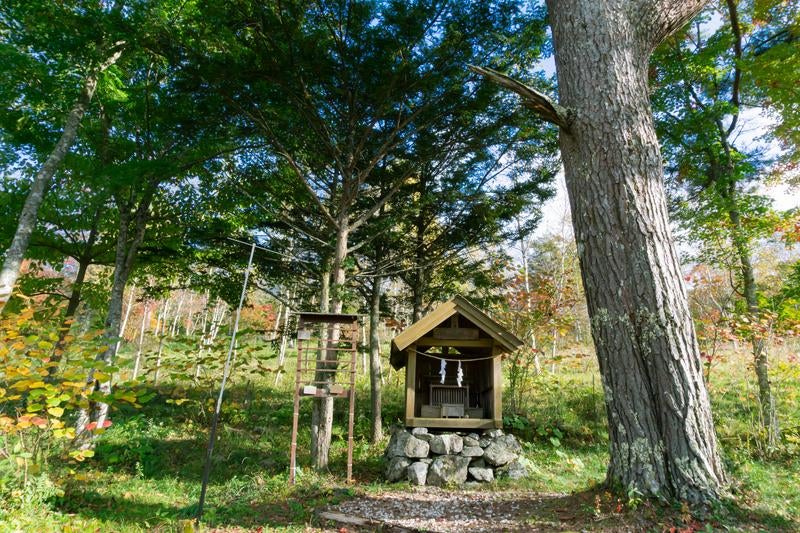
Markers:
{"x": 146, "y": 471}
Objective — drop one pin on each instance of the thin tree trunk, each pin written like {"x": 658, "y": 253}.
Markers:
{"x": 30, "y": 210}
{"x": 560, "y": 283}
{"x": 380, "y": 361}
{"x": 661, "y": 433}
{"x": 125, "y": 320}
{"x": 161, "y": 335}
{"x": 375, "y": 360}
{"x": 69, "y": 313}
{"x": 203, "y": 338}
{"x": 177, "y": 315}
{"x": 217, "y": 317}
{"x": 284, "y": 338}
{"x": 137, "y": 363}
{"x": 278, "y": 317}
{"x": 192, "y": 322}
{"x": 769, "y": 414}
{"x": 207, "y": 340}
{"x": 125, "y": 256}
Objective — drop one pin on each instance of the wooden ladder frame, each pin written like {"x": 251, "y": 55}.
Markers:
{"x": 327, "y": 366}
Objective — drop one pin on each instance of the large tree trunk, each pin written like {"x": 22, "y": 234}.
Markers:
{"x": 375, "y": 359}
{"x": 769, "y": 413}
{"x": 662, "y": 440}
{"x": 30, "y": 210}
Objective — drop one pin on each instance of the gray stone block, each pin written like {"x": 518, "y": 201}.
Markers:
{"x": 447, "y": 444}
{"x": 472, "y": 451}
{"x": 417, "y": 473}
{"x": 485, "y": 475}
{"x": 516, "y": 469}
{"x": 471, "y": 441}
{"x": 403, "y": 444}
{"x": 447, "y": 470}
{"x": 396, "y": 468}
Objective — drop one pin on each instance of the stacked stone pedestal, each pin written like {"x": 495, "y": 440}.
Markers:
{"x": 452, "y": 458}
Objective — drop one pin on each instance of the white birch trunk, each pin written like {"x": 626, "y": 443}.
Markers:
{"x": 30, "y": 210}
{"x": 137, "y": 364}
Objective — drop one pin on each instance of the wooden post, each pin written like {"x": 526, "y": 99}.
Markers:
{"x": 497, "y": 387}
{"x": 352, "y": 407}
{"x": 411, "y": 383}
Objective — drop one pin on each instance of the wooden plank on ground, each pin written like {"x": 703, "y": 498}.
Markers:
{"x": 359, "y": 522}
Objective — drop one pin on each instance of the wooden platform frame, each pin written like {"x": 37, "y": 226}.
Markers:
{"x": 339, "y": 335}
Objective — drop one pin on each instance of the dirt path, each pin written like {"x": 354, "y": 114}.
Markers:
{"x": 433, "y": 509}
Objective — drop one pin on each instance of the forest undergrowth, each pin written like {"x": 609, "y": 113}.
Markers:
{"x": 145, "y": 471}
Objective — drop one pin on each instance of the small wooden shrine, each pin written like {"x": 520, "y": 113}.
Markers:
{"x": 453, "y": 367}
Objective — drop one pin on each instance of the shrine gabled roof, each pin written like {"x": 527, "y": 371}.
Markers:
{"x": 506, "y": 341}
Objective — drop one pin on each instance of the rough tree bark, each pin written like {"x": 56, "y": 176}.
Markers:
{"x": 661, "y": 432}
{"x": 27, "y": 219}
{"x": 375, "y": 359}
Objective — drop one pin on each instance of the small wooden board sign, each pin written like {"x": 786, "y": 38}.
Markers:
{"x": 322, "y": 392}
{"x": 455, "y": 333}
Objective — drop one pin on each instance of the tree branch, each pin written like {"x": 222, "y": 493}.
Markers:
{"x": 539, "y": 103}
{"x": 282, "y": 300}
{"x": 306, "y": 185}
{"x": 280, "y": 150}
{"x": 665, "y": 17}
{"x": 737, "y": 68}
{"x": 380, "y": 203}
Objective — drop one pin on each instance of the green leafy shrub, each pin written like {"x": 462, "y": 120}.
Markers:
{"x": 44, "y": 382}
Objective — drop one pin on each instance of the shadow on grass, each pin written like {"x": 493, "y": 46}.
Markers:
{"x": 122, "y": 511}
{"x": 296, "y": 508}
{"x": 164, "y": 441}
{"x": 156, "y": 458}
